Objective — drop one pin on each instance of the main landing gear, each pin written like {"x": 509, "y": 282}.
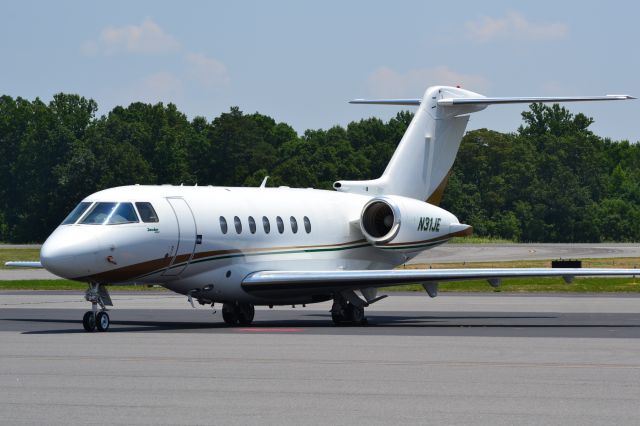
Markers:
{"x": 347, "y": 312}
{"x": 97, "y": 320}
{"x": 238, "y": 313}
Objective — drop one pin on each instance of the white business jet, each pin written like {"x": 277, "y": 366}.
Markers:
{"x": 244, "y": 247}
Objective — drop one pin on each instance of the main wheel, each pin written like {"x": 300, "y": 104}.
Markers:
{"x": 338, "y": 318}
{"x": 245, "y": 312}
{"x": 89, "y": 321}
{"x": 229, "y": 314}
{"x": 356, "y": 315}
{"x": 102, "y": 321}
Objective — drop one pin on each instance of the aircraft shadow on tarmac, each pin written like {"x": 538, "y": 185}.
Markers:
{"x": 323, "y": 322}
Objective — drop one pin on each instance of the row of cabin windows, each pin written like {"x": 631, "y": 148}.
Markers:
{"x": 266, "y": 225}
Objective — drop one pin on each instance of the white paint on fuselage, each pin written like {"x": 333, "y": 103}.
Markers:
{"x": 335, "y": 241}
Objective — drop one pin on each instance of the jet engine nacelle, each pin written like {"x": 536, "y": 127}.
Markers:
{"x": 406, "y": 223}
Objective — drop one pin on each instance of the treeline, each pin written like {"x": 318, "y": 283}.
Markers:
{"x": 553, "y": 180}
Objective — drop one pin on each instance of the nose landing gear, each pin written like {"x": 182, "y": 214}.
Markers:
{"x": 97, "y": 320}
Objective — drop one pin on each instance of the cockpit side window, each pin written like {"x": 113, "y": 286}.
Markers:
{"x": 111, "y": 214}
{"x": 147, "y": 212}
{"x": 76, "y": 213}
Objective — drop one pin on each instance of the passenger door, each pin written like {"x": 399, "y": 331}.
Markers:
{"x": 187, "y": 231}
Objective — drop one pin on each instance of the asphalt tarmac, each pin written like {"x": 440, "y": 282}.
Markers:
{"x": 457, "y": 359}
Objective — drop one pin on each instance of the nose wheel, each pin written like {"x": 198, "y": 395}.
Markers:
{"x": 97, "y": 320}
{"x": 92, "y": 321}
{"x": 89, "y": 321}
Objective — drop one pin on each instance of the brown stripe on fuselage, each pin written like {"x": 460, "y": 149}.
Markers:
{"x": 127, "y": 272}
{"x": 130, "y": 272}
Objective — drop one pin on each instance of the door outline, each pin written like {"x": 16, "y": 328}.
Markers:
{"x": 180, "y": 222}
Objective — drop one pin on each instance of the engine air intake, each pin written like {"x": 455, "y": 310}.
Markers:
{"x": 380, "y": 221}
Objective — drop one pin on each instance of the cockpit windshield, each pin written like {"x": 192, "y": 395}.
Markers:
{"x": 76, "y": 213}
{"x": 110, "y": 214}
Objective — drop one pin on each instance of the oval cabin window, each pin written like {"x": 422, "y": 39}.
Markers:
{"x": 294, "y": 224}
{"x": 307, "y": 224}
{"x": 266, "y": 224}
{"x": 223, "y": 225}
{"x": 280, "y": 224}
{"x": 252, "y": 225}
{"x": 238, "y": 224}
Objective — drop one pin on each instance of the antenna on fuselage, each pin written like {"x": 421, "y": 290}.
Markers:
{"x": 264, "y": 182}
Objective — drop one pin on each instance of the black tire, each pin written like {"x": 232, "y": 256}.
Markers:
{"x": 356, "y": 315}
{"x": 89, "y": 321}
{"x": 229, "y": 314}
{"x": 245, "y": 313}
{"x": 338, "y": 319}
{"x": 102, "y": 321}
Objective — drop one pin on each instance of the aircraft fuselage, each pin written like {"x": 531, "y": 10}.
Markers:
{"x": 208, "y": 239}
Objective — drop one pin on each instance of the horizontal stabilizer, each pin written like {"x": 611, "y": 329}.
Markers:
{"x": 415, "y": 102}
{"x": 529, "y": 99}
{"x": 22, "y": 264}
{"x": 495, "y": 100}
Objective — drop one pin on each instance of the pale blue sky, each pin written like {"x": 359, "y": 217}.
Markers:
{"x": 300, "y": 62}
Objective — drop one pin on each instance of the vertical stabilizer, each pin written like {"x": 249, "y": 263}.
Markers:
{"x": 422, "y": 161}
{"x": 420, "y": 166}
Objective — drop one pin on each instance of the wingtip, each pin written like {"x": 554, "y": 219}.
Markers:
{"x": 622, "y": 96}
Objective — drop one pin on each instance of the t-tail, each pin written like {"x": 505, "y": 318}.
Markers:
{"x": 420, "y": 166}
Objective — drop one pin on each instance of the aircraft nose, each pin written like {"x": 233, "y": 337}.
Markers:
{"x": 70, "y": 252}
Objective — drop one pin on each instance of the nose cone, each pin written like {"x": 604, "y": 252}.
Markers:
{"x": 460, "y": 229}
{"x": 70, "y": 252}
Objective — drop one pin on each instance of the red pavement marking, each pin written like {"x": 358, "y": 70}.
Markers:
{"x": 270, "y": 330}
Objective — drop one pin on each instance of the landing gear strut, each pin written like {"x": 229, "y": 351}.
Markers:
{"x": 344, "y": 312}
{"x": 238, "y": 313}
{"x": 97, "y": 320}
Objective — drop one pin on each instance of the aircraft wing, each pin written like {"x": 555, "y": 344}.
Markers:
{"x": 322, "y": 282}
{"x": 23, "y": 264}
